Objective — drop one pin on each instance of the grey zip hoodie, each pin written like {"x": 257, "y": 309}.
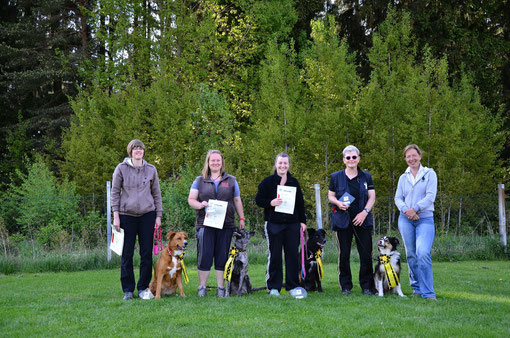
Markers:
{"x": 420, "y": 194}
{"x": 135, "y": 190}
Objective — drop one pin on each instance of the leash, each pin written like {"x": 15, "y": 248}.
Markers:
{"x": 320, "y": 266}
{"x": 304, "y": 248}
{"x": 183, "y": 266}
{"x": 388, "y": 269}
{"x": 158, "y": 243}
{"x": 229, "y": 267}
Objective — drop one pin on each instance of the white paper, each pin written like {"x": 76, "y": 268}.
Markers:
{"x": 288, "y": 196}
{"x": 215, "y": 214}
{"x": 117, "y": 242}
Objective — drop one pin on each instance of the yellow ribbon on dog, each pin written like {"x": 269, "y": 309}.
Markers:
{"x": 391, "y": 275}
{"x": 320, "y": 267}
{"x": 184, "y": 271}
{"x": 229, "y": 267}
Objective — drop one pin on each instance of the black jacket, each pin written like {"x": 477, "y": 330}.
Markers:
{"x": 267, "y": 192}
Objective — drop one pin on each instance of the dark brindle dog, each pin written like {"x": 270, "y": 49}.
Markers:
{"x": 388, "y": 255}
{"x": 240, "y": 282}
{"x": 316, "y": 241}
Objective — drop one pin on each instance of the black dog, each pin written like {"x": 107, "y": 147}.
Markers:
{"x": 389, "y": 257}
{"x": 315, "y": 244}
{"x": 240, "y": 282}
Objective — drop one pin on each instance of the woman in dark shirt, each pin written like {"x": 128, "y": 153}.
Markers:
{"x": 281, "y": 229}
{"x": 352, "y": 217}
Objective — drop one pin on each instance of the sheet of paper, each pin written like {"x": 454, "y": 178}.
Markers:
{"x": 288, "y": 195}
{"x": 117, "y": 242}
{"x": 215, "y": 214}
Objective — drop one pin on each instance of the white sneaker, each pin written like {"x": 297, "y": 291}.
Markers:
{"x": 274, "y": 292}
{"x": 145, "y": 294}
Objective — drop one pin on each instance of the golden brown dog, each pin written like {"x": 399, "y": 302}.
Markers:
{"x": 167, "y": 270}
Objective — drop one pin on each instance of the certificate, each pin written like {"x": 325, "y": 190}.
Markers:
{"x": 347, "y": 198}
{"x": 288, "y": 195}
{"x": 215, "y": 214}
{"x": 117, "y": 242}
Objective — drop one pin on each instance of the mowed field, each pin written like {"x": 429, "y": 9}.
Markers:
{"x": 473, "y": 300}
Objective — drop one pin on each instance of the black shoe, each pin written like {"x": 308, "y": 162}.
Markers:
{"x": 368, "y": 292}
{"x": 346, "y": 292}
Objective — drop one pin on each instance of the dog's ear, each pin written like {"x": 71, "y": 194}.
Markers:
{"x": 170, "y": 235}
{"x": 394, "y": 242}
{"x": 311, "y": 232}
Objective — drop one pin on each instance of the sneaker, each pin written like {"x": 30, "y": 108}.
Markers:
{"x": 416, "y": 294}
{"x": 145, "y": 294}
{"x": 220, "y": 292}
{"x": 368, "y": 292}
{"x": 431, "y": 298}
{"x": 202, "y": 291}
{"x": 346, "y": 292}
{"x": 127, "y": 296}
{"x": 298, "y": 293}
{"x": 274, "y": 292}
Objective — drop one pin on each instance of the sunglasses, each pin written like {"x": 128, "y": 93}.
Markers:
{"x": 348, "y": 158}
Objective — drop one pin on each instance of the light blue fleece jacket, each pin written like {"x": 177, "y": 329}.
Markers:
{"x": 420, "y": 194}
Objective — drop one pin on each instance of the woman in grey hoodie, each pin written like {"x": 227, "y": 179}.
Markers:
{"x": 137, "y": 208}
{"x": 415, "y": 195}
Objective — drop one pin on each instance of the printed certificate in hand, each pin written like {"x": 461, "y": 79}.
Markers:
{"x": 288, "y": 195}
{"x": 215, "y": 214}
{"x": 117, "y": 242}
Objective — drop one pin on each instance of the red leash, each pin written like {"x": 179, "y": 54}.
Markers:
{"x": 158, "y": 243}
{"x": 304, "y": 248}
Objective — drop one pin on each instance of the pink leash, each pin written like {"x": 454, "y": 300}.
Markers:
{"x": 158, "y": 243}
{"x": 304, "y": 247}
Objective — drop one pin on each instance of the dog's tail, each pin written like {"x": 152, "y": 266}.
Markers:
{"x": 259, "y": 288}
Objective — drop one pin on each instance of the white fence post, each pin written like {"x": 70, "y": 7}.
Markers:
{"x": 502, "y": 212}
{"x": 108, "y": 222}
{"x": 318, "y": 205}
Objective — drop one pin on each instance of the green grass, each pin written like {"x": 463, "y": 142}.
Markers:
{"x": 473, "y": 300}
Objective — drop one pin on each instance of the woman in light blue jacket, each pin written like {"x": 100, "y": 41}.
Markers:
{"x": 415, "y": 195}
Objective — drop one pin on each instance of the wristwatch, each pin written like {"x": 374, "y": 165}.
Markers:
{"x": 367, "y": 210}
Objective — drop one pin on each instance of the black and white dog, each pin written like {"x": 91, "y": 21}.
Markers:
{"x": 315, "y": 244}
{"x": 387, "y": 268}
{"x": 240, "y": 281}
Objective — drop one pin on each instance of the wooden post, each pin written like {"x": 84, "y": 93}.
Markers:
{"x": 108, "y": 222}
{"x": 502, "y": 216}
{"x": 318, "y": 210}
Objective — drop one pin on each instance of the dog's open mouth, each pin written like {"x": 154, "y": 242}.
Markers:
{"x": 320, "y": 244}
{"x": 183, "y": 248}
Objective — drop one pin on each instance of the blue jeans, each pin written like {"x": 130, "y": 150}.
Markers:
{"x": 418, "y": 237}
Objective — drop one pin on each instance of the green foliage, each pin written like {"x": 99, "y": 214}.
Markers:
{"x": 178, "y": 215}
{"x": 46, "y": 208}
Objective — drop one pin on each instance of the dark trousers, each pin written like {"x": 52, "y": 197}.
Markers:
{"x": 286, "y": 236}
{"x": 213, "y": 243}
{"x": 143, "y": 226}
{"x": 363, "y": 239}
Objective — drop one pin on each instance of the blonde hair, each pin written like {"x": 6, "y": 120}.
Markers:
{"x": 206, "y": 171}
{"x": 412, "y": 146}
{"x": 133, "y": 144}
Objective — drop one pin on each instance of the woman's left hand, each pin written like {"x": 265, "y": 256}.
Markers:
{"x": 241, "y": 224}
{"x": 360, "y": 218}
{"x": 158, "y": 222}
{"x": 303, "y": 227}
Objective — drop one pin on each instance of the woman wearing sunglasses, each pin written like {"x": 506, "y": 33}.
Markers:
{"x": 352, "y": 195}
{"x": 415, "y": 196}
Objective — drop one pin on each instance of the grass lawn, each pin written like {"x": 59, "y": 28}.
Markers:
{"x": 473, "y": 300}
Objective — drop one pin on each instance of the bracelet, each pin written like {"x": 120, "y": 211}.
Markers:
{"x": 241, "y": 219}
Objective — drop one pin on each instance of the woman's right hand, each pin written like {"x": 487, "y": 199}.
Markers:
{"x": 116, "y": 221}
{"x": 204, "y": 204}
{"x": 276, "y": 202}
{"x": 342, "y": 205}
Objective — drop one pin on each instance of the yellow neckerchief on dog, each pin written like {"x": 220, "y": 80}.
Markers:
{"x": 388, "y": 269}
{"x": 229, "y": 267}
{"x": 320, "y": 267}
{"x": 184, "y": 271}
